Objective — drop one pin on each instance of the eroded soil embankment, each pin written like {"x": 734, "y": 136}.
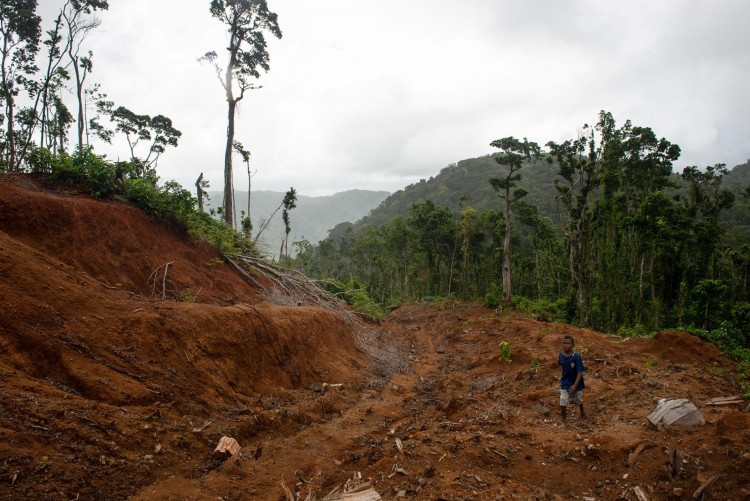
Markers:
{"x": 95, "y": 352}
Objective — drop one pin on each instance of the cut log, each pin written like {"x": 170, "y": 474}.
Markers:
{"x": 227, "y": 448}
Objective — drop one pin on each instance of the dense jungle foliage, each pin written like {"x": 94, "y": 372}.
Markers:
{"x": 607, "y": 236}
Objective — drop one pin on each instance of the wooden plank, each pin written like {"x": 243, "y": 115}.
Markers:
{"x": 708, "y": 483}
{"x": 726, "y": 401}
{"x": 733, "y": 397}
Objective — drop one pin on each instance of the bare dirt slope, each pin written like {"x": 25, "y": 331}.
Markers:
{"x": 117, "y": 383}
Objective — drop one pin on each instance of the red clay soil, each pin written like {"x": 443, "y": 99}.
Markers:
{"x": 119, "y": 375}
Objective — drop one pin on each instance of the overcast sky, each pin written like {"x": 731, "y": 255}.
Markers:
{"x": 379, "y": 94}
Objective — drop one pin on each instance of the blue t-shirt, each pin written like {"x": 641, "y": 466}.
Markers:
{"x": 571, "y": 366}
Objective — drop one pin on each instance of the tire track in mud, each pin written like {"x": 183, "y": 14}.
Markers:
{"x": 328, "y": 449}
{"x": 323, "y": 454}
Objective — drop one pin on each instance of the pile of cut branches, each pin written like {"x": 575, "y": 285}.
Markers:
{"x": 290, "y": 287}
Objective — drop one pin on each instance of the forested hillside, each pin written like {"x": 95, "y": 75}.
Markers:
{"x": 603, "y": 233}
{"x": 466, "y": 182}
{"x": 739, "y": 175}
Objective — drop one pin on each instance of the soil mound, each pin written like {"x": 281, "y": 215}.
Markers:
{"x": 117, "y": 382}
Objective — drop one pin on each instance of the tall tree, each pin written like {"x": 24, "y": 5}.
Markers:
{"x": 20, "y": 28}
{"x": 435, "y": 232}
{"x": 157, "y": 130}
{"x": 246, "y": 22}
{"x": 289, "y": 202}
{"x": 70, "y": 29}
{"x": 514, "y": 153}
{"x": 468, "y": 217}
{"x": 79, "y": 26}
{"x": 246, "y": 223}
{"x": 578, "y": 162}
{"x": 705, "y": 200}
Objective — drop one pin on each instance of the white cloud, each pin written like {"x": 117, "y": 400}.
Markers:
{"x": 375, "y": 95}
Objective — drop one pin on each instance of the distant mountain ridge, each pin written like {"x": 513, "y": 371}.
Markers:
{"x": 469, "y": 179}
{"x": 315, "y": 216}
{"x": 311, "y": 219}
{"x": 739, "y": 175}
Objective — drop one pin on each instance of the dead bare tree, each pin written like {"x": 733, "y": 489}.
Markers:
{"x": 158, "y": 290}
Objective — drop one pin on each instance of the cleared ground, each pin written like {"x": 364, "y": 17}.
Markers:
{"x": 119, "y": 375}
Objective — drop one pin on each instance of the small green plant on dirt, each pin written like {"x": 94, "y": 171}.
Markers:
{"x": 719, "y": 370}
{"x": 504, "y": 351}
{"x": 187, "y": 296}
{"x": 650, "y": 362}
{"x": 535, "y": 364}
{"x": 214, "y": 261}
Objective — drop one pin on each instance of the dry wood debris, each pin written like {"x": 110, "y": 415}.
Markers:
{"x": 737, "y": 399}
{"x": 227, "y": 448}
{"x": 290, "y": 287}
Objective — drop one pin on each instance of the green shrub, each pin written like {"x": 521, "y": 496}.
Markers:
{"x": 731, "y": 340}
{"x": 170, "y": 203}
{"x": 637, "y": 330}
{"x": 99, "y": 174}
{"x": 219, "y": 234}
{"x": 43, "y": 161}
{"x": 543, "y": 310}
{"x": 535, "y": 364}
{"x": 493, "y": 296}
{"x": 84, "y": 170}
{"x": 355, "y": 295}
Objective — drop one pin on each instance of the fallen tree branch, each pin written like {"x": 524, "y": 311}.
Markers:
{"x": 633, "y": 456}
{"x": 290, "y": 287}
{"x": 708, "y": 483}
{"x": 152, "y": 279}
